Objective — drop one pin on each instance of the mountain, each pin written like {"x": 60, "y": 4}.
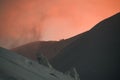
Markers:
{"x": 30, "y": 50}
{"x": 48, "y": 48}
{"x": 95, "y": 54}
{"x": 16, "y": 67}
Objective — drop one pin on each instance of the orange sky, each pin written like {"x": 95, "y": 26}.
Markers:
{"x": 24, "y": 21}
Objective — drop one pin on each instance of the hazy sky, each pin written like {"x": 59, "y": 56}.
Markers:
{"x": 23, "y": 21}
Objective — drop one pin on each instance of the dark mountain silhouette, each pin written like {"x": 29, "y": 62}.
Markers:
{"x": 95, "y": 54}
{"x": 48, "y": 48}
{"x": 30, "y": 50}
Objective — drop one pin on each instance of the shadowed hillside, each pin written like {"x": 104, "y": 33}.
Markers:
{"x": 96, "y": 54}
{"x": 49, "y": 48}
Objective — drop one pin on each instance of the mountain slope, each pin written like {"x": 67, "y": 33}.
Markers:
{"x": 96, "y": 54}
{"x": 48, "y": 48}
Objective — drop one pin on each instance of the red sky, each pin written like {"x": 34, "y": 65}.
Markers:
{"x": 23, "y": 21}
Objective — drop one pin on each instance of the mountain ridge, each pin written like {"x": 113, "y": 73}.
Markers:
{"x": 95, "y": 54}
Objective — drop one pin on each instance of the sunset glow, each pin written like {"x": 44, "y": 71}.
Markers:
{"x": 24, "y": 21}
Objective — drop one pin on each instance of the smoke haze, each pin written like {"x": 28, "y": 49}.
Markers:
{"x": 24, "y": 21}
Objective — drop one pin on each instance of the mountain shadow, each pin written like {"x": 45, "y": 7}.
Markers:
{"x": 48, "y": 48}
{"x": 95, "y": 54}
